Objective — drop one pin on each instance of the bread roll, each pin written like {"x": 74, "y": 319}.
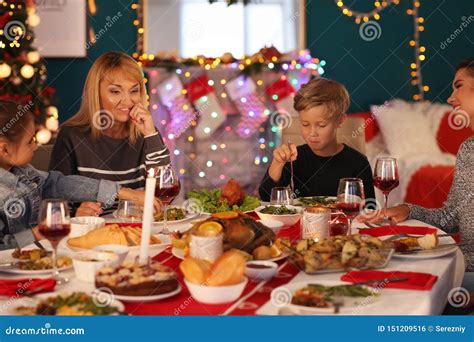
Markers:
{"x": 229, "y": 269}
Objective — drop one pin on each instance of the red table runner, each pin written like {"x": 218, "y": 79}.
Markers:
{"x": 255, "y": 294}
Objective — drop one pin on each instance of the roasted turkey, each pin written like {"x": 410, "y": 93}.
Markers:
{"x": 243, "y": 232}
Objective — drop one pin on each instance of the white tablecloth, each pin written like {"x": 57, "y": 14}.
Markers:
{"x": 449, "y": 269}
{"x": 450, "y": 272}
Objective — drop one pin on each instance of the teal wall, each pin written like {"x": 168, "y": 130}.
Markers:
{"x": 377, "y": 70}
{"x": 373, "y": 71}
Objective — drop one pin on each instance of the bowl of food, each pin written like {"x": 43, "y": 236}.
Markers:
{"x": 286, "y": 214}
{"x": 87, "y": 263}
{"x": 120, "y": 250}
{"x": 261, "y": 270}
{"x": 83, "y": 224}
{"x": 216, "y": 294}
{"x": 215, "y": 283}
{"x": 272, "y": 224}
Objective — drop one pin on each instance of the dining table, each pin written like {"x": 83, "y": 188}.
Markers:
{"x": 256, "y": 298}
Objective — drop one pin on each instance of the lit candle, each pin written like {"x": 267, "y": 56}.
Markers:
{"x": 147, "y": 215}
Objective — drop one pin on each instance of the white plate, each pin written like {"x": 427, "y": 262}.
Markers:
{"x": 179, "y": 253}
{"x": 351, "y": 304}
{"x": 165, "y": 241}
{"x": 188, "y": 216}
{"x": 144, "y": 299}
{"x": 428, "y": 253}
{"x": 6, "y": 256}
{"x": 33, "y": 301}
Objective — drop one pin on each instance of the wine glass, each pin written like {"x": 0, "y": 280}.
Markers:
{"x": 386, "y": 179}
{"x": 129, "y": 211}
{"x": 350, "y": 198}
{"x": 280, "y": 196}
{"x": 167, "y": 188}
{"x": 54, "y": 225}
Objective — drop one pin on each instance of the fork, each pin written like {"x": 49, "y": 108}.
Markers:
{"x": 292, "y": 184}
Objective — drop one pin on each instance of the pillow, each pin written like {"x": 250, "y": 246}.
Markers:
{"x": 449, "y": 136}
{"x": 406, "y": 132}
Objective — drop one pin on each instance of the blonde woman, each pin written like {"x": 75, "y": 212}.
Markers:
{"x": 112, "y": 136}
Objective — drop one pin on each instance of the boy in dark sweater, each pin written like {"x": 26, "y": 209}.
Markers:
{"x": 320, "y": 163}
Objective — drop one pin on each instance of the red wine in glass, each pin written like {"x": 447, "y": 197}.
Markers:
{"x": 350, "y": 198}
{"x": 386, "y": 179}
{"x": 55, "y": 233}
{"x": 350, "y": 209}
{"x": 385, "y": 185}
{"x": 167, "y": 193}
{"x": 54, "y": 224}
{"x": 338, "y": 224}
{"x": 167, "y": 188}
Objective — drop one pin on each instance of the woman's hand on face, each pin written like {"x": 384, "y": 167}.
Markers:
{"x": 89, "y": 209}
{"x": 141, "y": 118}
{"x": 397, "y": 214}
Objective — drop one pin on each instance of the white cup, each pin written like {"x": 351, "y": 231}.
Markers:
{"x": 83, "y": 224}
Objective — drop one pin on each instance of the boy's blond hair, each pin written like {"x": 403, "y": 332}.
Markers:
{"x": 323, "y": 92}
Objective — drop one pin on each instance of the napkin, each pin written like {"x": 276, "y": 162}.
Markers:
{"x": 21, "y": 287}
{"x": 415, "y": 281}
{"x": 392, "y": 230}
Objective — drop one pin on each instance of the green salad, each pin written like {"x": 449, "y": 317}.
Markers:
{"x": 323, "y": 201}
{"x": 210, "y": 201}
{"x": 281, "y": 210}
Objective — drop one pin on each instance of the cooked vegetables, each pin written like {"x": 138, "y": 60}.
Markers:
{"x": 320, "y": 296}
{"x": 341, "y": 252}
{"x": 318, "y": 200}
{"x": 76, "y": 303}
{"x": 278, "y": 210}
{"x": 173, "y": 214}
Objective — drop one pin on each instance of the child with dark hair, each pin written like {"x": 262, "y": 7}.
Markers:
{"x": 22, "y": 187}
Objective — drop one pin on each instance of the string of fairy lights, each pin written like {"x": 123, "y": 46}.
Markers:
{"x": 418, "y": 23}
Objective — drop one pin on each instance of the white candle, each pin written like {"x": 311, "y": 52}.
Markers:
{"x": 147, "y": 216}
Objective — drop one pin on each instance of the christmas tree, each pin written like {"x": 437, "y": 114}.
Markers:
{"x": 22, "y": 70}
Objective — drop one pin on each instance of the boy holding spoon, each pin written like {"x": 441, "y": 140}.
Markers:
{"x": 320, "y": 163}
